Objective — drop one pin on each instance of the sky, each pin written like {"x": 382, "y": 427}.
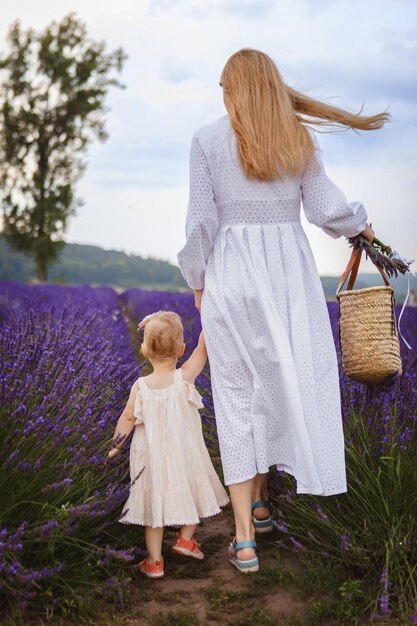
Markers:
{"x": 350, "y": 53}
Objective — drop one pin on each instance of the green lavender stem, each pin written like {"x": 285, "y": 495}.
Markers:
{"x": 381, "y": 245}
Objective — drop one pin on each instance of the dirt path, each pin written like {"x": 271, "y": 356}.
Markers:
{"x": 213, "y": 591}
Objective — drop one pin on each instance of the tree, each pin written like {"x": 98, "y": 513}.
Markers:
{"x": 53, "y": 86}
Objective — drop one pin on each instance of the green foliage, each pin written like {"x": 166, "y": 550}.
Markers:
{"x": 260, "y": 617}
{"x": 82, "y": 264}
{"x": 53, "y": 86}
{"x": 178, "y": 618}
{"x": 400, "y": 284}
{"x": 91, "y": 264}
{"x": 370, "y": 530}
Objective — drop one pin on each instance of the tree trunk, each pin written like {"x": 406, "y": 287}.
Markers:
{"x": 42, "y": 272}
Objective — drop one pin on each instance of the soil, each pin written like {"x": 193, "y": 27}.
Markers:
{"x": 212, "y": 591}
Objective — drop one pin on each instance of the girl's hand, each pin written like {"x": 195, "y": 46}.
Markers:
{"x": 198, "y": 293}
{"x": 125, "y": 424}
{"x": 113, "y": 453}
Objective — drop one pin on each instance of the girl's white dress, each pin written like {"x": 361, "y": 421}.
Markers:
{"x": 178, "y": 484}
{"x": 273, "y": 361}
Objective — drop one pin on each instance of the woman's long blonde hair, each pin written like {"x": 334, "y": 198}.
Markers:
{"x": 267, "y": 115}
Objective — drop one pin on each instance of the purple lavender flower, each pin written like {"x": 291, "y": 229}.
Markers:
{"x": 344, "y": 545}
{"x": 69, "y": 363}
{"x": 384, "y": 606}
{"x": 296, "y": 544}
{"x": 323, "y": 515}
{"x": 280, "y": 526}
{"x": 67, "y": 367}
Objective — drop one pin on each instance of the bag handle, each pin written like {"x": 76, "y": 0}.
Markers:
{"x": 352, "y": 269}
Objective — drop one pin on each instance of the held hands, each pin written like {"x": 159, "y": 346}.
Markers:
{"x": 198, "y": 293}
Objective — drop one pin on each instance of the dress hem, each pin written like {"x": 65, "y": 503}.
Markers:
{"x": 299, "y": 490}
{"x": 175, "y": 523}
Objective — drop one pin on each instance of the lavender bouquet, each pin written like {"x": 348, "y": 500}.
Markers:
{"x": 381, "y": 254}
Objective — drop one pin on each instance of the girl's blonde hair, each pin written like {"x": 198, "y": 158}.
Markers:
{"x": 163, "y": 335}
{"x": 266, "y": 115}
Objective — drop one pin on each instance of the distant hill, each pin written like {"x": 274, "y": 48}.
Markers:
{"x": 82, "y": 264}
{"x": 94, "y": 265}
{"x": 373, "y": 280}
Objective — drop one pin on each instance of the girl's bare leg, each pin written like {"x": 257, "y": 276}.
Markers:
{"x": 241, "y": 498}
{"x": 153, "y": 540}
{"x": 260, "y": 492}
{"x": 187, "y": 532}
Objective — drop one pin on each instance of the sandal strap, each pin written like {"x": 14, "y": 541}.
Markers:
{"x": 243, "y": 544}
{"x": 188, "y": 542}
{"x": 259, "y": 503}
{"x": 192, "y": 543}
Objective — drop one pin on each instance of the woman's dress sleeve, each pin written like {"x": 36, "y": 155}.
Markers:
{"x": 324, "y": 203}
{"x": 202, "y": 220}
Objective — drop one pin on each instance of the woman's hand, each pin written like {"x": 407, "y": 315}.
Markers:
{"x": 368, "y": 233}
{"x": 198, "y": 293}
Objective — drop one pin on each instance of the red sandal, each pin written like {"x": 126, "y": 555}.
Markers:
{"x": 153, "y": 569}
{"x": 188, "y": 547}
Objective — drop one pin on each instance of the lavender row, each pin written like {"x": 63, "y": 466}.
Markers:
{"x": 370, "y": 531}
{"x": 67, "y": 367}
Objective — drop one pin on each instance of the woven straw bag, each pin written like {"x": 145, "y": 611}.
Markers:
{"x": 368, "y": 332}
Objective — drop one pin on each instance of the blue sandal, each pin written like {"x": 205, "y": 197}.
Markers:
{"x": 262, "y": 525}
{"x": 251, "y": 565}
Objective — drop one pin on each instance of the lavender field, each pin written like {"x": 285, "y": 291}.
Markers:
{"x": 69, "y": 356}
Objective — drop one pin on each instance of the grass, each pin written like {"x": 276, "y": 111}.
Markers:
{"x": 174, "y": 618}
{"x": 331, "y": 590}
{"x": 256, "y": 617}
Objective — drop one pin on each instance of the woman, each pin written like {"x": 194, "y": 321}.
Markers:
{"x": 273, "y": 362}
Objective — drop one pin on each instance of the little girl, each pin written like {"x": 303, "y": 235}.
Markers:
{"x": 173, "y": 479}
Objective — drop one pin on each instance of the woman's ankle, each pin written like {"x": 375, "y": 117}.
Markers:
{"x": 261, "y": 513}
{"x": 246, "y": 554}
{"x": 251, "y": 536}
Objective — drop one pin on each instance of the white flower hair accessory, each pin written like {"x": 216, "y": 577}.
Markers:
{"x": 146, "y": 319}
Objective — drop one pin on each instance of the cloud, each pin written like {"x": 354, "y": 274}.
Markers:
{"x": 174, "y": 72}
{"x": 344, "y": 51}
{"x": 250, "y": 9}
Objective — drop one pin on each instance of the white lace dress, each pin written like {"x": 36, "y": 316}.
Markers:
{"x": 272, "y": 356}
{"x": 178, "y": 484}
